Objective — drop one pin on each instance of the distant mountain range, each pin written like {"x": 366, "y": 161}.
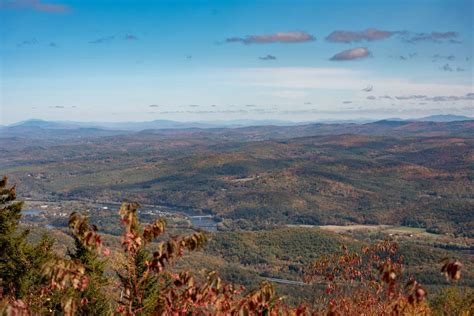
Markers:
{"x": 138, "y": 126}
{"x": 65, "y": 131}
{"x": 168, "y": 124}
{"x": 445, "y": 118}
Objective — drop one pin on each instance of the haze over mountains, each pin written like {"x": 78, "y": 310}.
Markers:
{"x": 169, "y": 124}
{"x": 240, "y": 131}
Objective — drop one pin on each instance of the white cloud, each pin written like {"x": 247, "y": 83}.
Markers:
{"x": 352, "y": 54}
{"x": 280, "y": 37}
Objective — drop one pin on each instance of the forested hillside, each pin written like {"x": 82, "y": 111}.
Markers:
{"x": 97, "y": 275}
{"x": 417, "y": 174}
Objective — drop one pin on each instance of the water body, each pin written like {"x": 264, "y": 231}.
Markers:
{"x": 31, "y": 212}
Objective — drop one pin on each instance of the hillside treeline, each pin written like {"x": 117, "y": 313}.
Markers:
{"x": 36, "y": 279}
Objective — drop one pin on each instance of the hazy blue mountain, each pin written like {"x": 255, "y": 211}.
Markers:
{"x": 445, "y": 118}
{"x": 45, "y": 124}
{"x": 36, "y": 127}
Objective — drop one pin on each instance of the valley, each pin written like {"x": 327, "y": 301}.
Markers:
{"x": 253, "y": 178}
{"x": 272, "y": 198}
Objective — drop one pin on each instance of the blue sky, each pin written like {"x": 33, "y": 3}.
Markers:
{"x": 224, "y": 60}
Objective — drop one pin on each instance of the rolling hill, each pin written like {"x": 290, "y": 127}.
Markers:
{"x": 412, "y": 173}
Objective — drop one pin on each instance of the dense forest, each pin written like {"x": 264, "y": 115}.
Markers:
{"x": 416, "y": 174}
{"x": 138, "y": 275}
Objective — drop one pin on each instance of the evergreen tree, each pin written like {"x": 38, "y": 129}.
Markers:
{"x": 93, "y": 299}
{"x": 20, "y": 262}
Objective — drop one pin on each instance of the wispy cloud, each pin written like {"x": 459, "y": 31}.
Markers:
{"x": 447, "y": 67}
{"x": 448, "y": 57}
{"x": 334, "y": 78}
{"x": 110, "y": 38}
{"x": 29, "y": 42}
{"x": 373, "y": 34}
{"x": 351, "y": 54}
{"x": 153, "y": 106}
{"x": 405, "y": 57}
{"x": 410, "y": 97}
{"x": 130, "y": 37}
{"x": 206, "y": 112}
{"x": 34, "y": 42}
{"x": 267, "y": 57}
{"x": 446, "y": 98}
{"x": 36, "y": 5}
{"x": 368, "y": 88}
{"x": 420, "y": 97}
{"x": 280, "y": 37}
{"x": 102, "y": 40}
{"x": 371, "y": 97}
{"x": 437, "y": 37}
{"x": 370, "y": 34}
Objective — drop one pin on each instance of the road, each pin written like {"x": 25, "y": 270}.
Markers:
{"x": 284, "y": 281}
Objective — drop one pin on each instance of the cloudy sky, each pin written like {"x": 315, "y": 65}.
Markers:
{"x": 141, "y": 60}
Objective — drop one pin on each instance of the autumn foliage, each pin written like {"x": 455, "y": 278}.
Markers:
{"x": 365, "y": 282}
